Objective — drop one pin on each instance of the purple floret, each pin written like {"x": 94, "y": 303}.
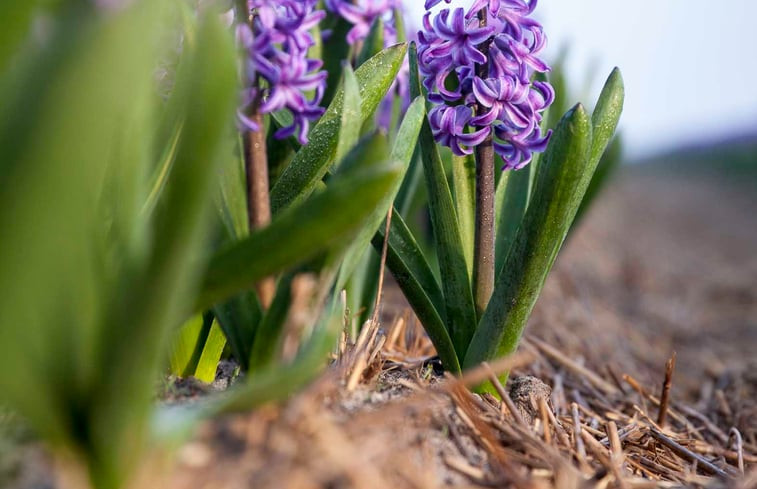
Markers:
{"x": 480, "y": 78}
{"x": 278, "y": 71}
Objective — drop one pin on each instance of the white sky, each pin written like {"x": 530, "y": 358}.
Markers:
{"x": 689, "y": 65}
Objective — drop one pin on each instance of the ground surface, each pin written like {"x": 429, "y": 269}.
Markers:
{"x": 659, "y": 265}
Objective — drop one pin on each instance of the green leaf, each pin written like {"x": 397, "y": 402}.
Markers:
{"x": 268, "y": 336}
{"x": 239, "y": 318}
{"x": 351, "y": 119}
{"x": 373, "y": 43}
{"x": 154, "y": 303}
{"x": 606, "y": 115}
{"x": 336, "y": 51}
{"x": 460, "y": 311}
{"x": 563, "y": 177}
{"x": 211, "y": 355}
{"x": 277, "y": 382}
{"x": 606, "y": 168}
{"x": 162, "y": 170}
{"x": 271, "y": 384}
{"x": 231, "y": 197}
{"x": 513, "y": 193}
{"x": 18, "y": 16}
{"x": 414, "y": 276}
{"x": 85, "y": 289}
{"x": 298, "y": 234}
{"x": 401, "y": 155}
{"x": 59, "y": 154}
{"x": 311, "y": 163}
{"x": 187, "y": 347}
{"x": 464, "y": 188}
{"x": 399, "y": 24}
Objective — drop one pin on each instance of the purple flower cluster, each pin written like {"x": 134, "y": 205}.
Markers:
{"x": 278, "y": 72}
{"x": 478, "y": 75}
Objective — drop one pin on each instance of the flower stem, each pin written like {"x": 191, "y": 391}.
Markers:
{"x": 258, "y": 197}
{"x": 256, "y": 171}
{"x": 483, "y": 246}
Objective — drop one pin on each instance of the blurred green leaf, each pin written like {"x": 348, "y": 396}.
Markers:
{"x": 373, "y": 43}
{"x": 564, "y": 175}
{"x": 299, "y": 233}
{"x": 401, "y": 155}
{"x": 278, "y": 382}
{"x": 187, "y": 347}
{"x": 460, "y": 311}
{"x": 89, "y": 300}
{"x": 312, "y": 162}
{"x": 17, "y": 25}
{"x": 336, "y": 51}
{"x": 154, "y": 301}
{"x": 211, "y": 355}
{"x": 239, "y": 318}
{"x": 268, "y": 336}
{"x": 162, "y": 170}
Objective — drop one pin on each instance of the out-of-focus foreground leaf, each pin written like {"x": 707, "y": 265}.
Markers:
{"x": 89, "y": 288}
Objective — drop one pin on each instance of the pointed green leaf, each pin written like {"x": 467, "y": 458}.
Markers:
{"x": 606, "y": 115}
{"x": 277, "y": 382}
{"x": 564, "y": 176}
{"x": 414, "y": 276}
{"x": 373, "y": 43}
{"x": 211, "y": 355}
{"x": 311, "y": 163}
{"x": 513, "y": 193}
{"x": 401, "y": 155}
{"x": 297, "y": 234}
{"x": 336, "y": 51}
{"x": 464, "y": 188}
{"x": 268, "y": 336}
{"x": 460, "y": 310}
{"x": 351, "y": 119}
{"x": 187, "y": 346}
{"x": 239, "y": 318}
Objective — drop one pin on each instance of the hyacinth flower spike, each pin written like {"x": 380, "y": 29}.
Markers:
{"x": 278, "y": 75}
{"x": 492, "y": 107}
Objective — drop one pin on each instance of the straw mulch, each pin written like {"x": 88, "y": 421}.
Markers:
{"x": 638, "y": 371}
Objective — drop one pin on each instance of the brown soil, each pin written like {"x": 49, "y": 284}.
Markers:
{"x": 656, "y": 268}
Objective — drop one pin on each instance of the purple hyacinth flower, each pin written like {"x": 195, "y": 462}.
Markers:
{"x": 449, "y": 127}
{"x": 277, "y": 43}
{"x": 433, "y": 3}
{"x": 480, "y": 78}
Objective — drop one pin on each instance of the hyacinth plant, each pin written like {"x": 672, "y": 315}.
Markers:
{"x": 496, "y": 236}
{"x": 289, "y": 146}
{"x": 132, "y": 206}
